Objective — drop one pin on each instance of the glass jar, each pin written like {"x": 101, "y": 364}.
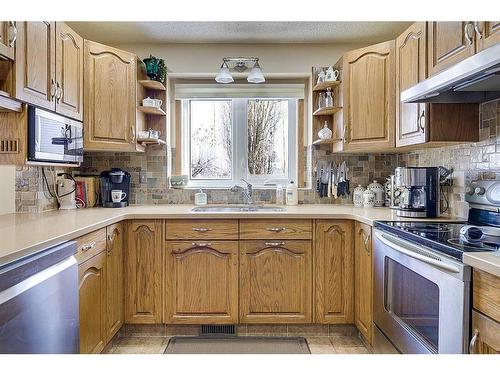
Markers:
{"x": 329, "y": 98}
{"x": 321, "y": 100}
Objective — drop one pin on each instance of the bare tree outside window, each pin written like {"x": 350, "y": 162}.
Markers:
{"x": 211, "y": 148}
{"x": 267, "y": 138}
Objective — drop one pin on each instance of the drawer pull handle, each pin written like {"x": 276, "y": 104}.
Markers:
{"x": 276, "y": 230}
{"x": 202, "y": 230}
{"x": 201, "y": 244}
{"x": 472, "y": 345}
{"x": 88, "y": 246}
{"x": 275, "y": 244}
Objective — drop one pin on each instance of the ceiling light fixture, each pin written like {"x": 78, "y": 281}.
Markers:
{"x": 240, "y": 65}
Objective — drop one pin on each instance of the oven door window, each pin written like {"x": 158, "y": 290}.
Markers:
{"x": 413, "y": 301}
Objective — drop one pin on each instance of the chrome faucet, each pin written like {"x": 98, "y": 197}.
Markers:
{"x": 246, "y": 192}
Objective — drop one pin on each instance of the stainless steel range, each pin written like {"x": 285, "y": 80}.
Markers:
{"x": 422, "y": 287}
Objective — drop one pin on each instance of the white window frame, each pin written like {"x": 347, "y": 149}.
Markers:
{"x": 239, "y": 138}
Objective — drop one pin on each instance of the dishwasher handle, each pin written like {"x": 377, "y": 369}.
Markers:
{"x": 417, "y": 253}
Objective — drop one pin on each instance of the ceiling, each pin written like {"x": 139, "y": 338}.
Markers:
{"x": 239, "y": 32}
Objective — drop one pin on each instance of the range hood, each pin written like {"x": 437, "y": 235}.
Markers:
{"x": 473, "y": 80}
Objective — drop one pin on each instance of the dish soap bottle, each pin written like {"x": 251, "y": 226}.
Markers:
{"x": 292, "y": 194}
{"x": 200, "y": 198}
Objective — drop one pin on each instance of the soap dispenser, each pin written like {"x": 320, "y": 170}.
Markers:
{"x": 200, "y": 198}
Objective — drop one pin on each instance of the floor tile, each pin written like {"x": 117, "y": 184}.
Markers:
{"x": 141, "y": 345}
{"x": 145, "y": 330}
{"x": 342, "y": 330}
{"x": 320, "y": 345}
{"x": 346, "y": 341}
{"x": 351, "y": 350}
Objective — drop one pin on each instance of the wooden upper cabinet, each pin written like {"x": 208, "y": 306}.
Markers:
{"x": 35, "y": 63}
{"x": 114, "y": 279}
{"x": 8, "y": 35}
{"x": 92, "y": 304}
{"x": 363, "y": 285}
{"x": 411, "y": 68}
{"x": 201, "y": 282}
{"x": 449, "y": 42}
{"x": 143, "y": 272}
{"x": 487, "y": 34}
{"x": 334, "y": 263}
{"x": 69, "y": 72}
{"x": 109, "y": 97}
{"x": 275, "y": 281}
{"x": 369, "y": 91}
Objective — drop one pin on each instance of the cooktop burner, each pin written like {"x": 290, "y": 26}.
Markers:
{"x": 444, "y": 237}
{"x": 472, "y": 246}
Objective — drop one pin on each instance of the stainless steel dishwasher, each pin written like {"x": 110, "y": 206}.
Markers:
{"x": 39, "y": 303}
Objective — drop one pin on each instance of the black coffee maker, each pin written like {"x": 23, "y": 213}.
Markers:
{"x": 115, "y": 182}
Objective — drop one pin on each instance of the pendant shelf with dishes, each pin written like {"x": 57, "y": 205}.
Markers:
{"x": 325, "y": 101}
{"x": 152, "y": 105}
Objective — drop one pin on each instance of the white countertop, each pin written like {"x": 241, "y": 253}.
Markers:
{"x": 487, "y": 262}
{"x": 25, "y": 234}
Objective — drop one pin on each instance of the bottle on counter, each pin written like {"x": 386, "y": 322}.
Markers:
{"x": 200, "y": 198}
{"x": 279, "y": 194}
{"x": 292, "y": 194}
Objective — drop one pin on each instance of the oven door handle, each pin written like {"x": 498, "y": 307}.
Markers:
{"x": 386, "y": 241}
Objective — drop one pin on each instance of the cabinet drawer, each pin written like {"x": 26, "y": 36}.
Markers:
{"x": 90, "y": 245}
{"x": 486, "y": 294}
{"x": 201, "y": 229}
{"x": 276, "y": 229}
{"x": 486, "y": 334}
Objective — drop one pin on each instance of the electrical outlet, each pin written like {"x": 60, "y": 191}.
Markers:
{"x": 143, "y": 178}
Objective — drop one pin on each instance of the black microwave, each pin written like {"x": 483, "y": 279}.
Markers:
{"x": 53, "y": 138}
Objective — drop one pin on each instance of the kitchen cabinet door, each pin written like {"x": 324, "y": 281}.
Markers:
{"x": 275, "y": 281}
{"x": 363, "y": 286}
{"x": 485, "y": 335}
{"x": 8, "y": 35}
{"x": 69, "y": 72}
{"x": 35, "y": 63}
{"x": 201, "y": 281}
{"x": 114, "y": 279}
{"x": 411, "y": 68}
{"x": 334, "y": 270}
{"x": 109, "y": 97}
{"x": 92, "y": 300}
{"x": 487, "y": 34}
{"x": 449, "y": 42}
{"x": 369, "y": 98}
{"x": 143, "y": 272}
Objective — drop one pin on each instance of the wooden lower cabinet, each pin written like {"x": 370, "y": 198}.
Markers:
{"x": 363, "y": 276}
{"x": 92, "y": 304}
{"x": 114, "y": 279}
{"x": 275, "y": 281}
{"x": 486, "y": 334}
{"x": 201, "y": 281}
{"x": 334, "y": 270}
{"x": 143, "y": 272}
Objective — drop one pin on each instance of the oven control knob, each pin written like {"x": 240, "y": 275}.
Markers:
{"x": 479, "y": 190}
{"x": 469, "y": 189}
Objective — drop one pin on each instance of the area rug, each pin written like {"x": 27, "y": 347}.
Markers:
{"x": 237, "y": 345}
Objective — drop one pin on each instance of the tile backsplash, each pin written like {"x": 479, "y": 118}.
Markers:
{"x": 150, "y": 184}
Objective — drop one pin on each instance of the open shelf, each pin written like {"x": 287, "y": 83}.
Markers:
{"x": 152, "y": 110}
{"x": 325, "y": 111}
{"x": 151, "y": 141}
{"x": 326, "y": 85}
{"x": 152, "y": 85}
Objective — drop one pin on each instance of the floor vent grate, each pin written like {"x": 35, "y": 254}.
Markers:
{"x": 225, "y": 329}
